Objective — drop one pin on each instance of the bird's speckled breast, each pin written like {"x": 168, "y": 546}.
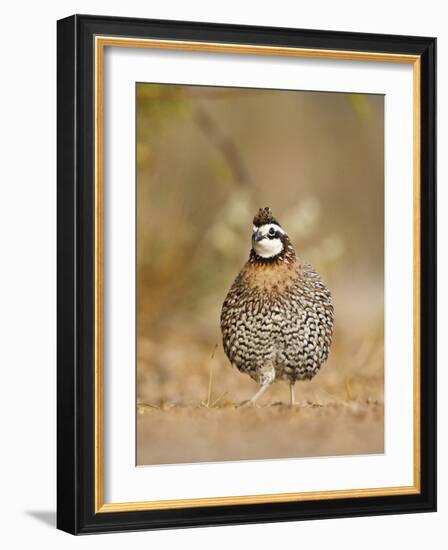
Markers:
{"x": 277, "y": 317}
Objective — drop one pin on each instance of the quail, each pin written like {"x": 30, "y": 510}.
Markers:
{"x": 277, "y": 318}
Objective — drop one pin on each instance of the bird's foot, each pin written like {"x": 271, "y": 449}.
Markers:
{"x": 246, "y": 404}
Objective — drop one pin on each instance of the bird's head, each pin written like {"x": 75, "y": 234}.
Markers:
{"x": 269, "y": 240}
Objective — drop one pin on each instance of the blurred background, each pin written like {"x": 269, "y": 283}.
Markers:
{"x": 207, "y": 159}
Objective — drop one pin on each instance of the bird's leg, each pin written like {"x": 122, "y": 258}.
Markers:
{"x": 292, "y": 394}
{"x": 265, "y": 376}
{"x": 259, "y": 393}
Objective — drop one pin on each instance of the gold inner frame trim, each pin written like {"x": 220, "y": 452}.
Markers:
{"x": 101, "y": 42}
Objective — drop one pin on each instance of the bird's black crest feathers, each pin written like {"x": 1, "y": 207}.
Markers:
{"x": 264, "y": 216}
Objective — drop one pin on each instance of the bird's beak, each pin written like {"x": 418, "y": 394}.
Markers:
{"x": 258, "y": 236}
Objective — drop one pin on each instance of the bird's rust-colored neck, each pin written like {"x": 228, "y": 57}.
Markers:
{"x": 271, "y": 274}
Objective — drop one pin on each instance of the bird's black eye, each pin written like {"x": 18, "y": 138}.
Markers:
{"x": 271, "y": 231}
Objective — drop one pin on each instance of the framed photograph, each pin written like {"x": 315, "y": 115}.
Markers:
{"x": 246, "y": 274}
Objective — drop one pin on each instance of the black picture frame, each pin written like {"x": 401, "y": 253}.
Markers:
{"x": 76, "y": 271}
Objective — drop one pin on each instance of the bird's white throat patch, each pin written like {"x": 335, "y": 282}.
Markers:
{"x": 268, "y": 247}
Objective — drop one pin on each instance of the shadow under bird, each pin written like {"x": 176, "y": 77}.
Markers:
{"x": 277, "y": 319}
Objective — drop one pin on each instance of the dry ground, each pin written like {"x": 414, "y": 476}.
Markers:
{"x": 176, "y": 434}
{"x": 188, "y": 396}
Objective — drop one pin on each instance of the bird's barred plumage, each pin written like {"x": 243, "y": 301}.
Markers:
{"x": 277, "y": 319}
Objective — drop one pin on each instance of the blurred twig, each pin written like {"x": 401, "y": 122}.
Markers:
{"x": 210, "y": 381}
{"x": 225, "y": 145}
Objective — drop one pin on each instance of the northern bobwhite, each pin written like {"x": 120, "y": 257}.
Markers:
{"x": 277, "y": 319}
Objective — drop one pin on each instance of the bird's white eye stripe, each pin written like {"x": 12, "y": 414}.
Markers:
{"x": 264, "y": 229}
